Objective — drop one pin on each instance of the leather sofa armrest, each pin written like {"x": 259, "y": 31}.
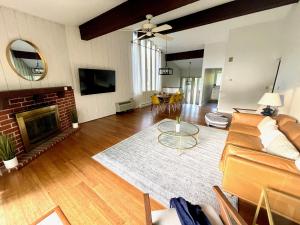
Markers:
{"x": 246, "y": 179}
{"x": 247, "y": 118}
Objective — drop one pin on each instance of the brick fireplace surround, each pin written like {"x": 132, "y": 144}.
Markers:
{"x": 24, "y": 100}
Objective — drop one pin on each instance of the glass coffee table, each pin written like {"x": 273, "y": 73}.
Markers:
{"x": 186, "y": 138}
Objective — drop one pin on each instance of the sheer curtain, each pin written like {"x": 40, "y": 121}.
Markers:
{"x": 146, "y": 61}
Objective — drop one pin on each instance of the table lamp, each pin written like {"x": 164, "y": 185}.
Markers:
{"x": 270, "y": 99}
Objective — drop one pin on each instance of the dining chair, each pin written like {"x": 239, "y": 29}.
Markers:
{"x": 172, "y": 103}
{"x": 155, "y": 102}
{"x": 178, "y": 98}
{"x": 228, "y": 214}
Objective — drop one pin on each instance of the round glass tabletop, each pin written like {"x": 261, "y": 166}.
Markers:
{"x": 186, "y": 129}
{"x": 185, "y": 138}
{"x": 173, "y": 140}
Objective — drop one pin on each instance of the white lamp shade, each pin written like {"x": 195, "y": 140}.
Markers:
{"x": 271, "y": 99}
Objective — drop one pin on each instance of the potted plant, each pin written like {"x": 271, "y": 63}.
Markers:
{"x": 8, "y": 152}
{"x": 177, "y": 126}
{"x": 74, "y": 118}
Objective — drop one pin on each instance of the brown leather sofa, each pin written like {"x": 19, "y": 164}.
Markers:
{"x": 246, "y": 168}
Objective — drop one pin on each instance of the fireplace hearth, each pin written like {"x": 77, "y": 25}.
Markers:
{"x": 38, "y": 125}
{"x": 45, "y": 128}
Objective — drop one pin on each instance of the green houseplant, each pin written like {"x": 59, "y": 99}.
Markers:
{"x": 8, "y": 152}
{"x": 74, "y": 118}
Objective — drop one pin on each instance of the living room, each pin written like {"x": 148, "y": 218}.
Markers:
{"x": 104, "y": 101}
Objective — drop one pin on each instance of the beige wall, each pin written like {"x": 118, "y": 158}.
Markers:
{"x": 48, "y": 36}
{"x": 172, "y": 80}
{"x": 289, "y": 75}
{"x": 214, "y": 57}
{"x": 65, "y": 52}
{"x": 112, "y": 51}
{"x": 255, "y": 51}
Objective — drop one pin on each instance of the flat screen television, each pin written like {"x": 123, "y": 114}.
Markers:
{"x": 94, "y": 81}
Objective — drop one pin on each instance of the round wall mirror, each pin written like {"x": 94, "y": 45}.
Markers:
{"x": 26, "y": 60}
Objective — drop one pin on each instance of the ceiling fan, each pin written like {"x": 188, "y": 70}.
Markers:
{"x": 150, "y": 29}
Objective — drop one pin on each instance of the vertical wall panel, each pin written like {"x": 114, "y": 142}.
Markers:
{"x": 50, "y": 37}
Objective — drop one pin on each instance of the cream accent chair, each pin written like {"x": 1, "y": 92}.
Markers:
{"x": 228, "y": 215}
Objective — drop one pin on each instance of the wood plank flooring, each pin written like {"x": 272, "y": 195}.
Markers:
{"x": 87, "y": 192}
{"x": 66, "y": 176}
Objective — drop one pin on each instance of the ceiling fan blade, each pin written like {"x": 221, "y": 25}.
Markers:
{"x": 161, "y": 28}
{"x": 162, "y": 36}
{"x": 140, "y": 37}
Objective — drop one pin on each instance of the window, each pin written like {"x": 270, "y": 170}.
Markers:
{"x": 146, "y": 61}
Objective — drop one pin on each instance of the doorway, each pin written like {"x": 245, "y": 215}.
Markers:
{"x": 211, "y": 85}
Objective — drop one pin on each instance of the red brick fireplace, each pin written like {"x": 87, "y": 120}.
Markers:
{"x": 14, "y": 102}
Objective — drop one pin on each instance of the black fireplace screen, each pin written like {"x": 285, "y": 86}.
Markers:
{"x": 38, "y": 125}
{"x": 41, "y": 127}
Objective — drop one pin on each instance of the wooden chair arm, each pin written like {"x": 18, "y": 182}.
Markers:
{"x": 147, "y": 206}
{"x": 228, "y": 212}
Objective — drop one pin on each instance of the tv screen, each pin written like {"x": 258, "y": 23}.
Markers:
{"x": 96, "y": 81}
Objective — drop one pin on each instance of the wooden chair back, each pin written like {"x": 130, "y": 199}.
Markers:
{"x": 228, "y": 214}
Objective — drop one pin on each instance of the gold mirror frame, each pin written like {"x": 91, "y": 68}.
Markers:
{"x": 8, "y": 52}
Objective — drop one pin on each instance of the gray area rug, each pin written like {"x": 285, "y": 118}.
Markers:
{"x": 164, "y": 172}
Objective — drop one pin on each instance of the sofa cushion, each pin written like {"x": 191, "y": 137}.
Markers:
{"x": 291, "y": 130}
{"x": 259, "y": 157}
{"x": 296, "y": 143}
{"x": 283, "y": 119}
{"x": 244, "y": 140}
{"x": 246, "y": 119}
{"x": 244, "y": 129}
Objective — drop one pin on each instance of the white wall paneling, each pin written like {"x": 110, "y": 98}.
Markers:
{"x": 48, "y": 36}
{"x": 112, "y": 51}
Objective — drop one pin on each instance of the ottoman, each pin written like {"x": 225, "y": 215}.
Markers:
{"x": 216, "y": 120}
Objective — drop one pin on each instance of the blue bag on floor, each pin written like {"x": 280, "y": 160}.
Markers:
{"x": 188, "y": 213}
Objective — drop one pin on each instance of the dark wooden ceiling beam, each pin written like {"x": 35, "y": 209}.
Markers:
{"x": 125, "y": 14}
{"x": 224, "y": 12}
{"x": 26, "y": 55}
{"x": 185, "y": 55}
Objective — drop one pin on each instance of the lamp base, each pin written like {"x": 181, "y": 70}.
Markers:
{"x": 268, "y": 111}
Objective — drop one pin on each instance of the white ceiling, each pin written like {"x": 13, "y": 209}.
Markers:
{"x": 196, "y": 38}
{"x": 70, "y": 12}
{"x": 75, "y": 12}
{"x": 182, "y": 11}
{"x": 196, "y": 64}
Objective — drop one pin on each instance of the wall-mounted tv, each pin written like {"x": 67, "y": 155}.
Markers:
{"x": 94, "y": 81}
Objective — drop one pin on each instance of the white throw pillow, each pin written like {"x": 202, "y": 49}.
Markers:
{"x": 281, "y": 146}
{"x": 267, "y": 124}
{"x": 267, "y": 137}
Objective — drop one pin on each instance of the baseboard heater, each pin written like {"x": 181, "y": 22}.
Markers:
{"x": 125, "y": 106}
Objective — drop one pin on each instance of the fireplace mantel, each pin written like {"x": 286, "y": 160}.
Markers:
{"x": 6, "y": 95}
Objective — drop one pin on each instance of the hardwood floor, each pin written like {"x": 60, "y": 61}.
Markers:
{"x": 66, "y": 175}
{"x": 87, "y": 192}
